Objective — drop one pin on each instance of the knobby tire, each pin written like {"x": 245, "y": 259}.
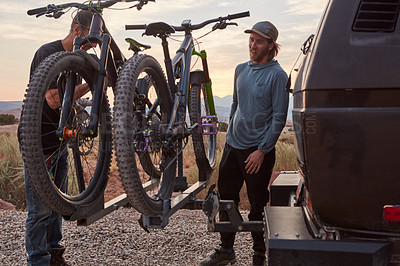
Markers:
{"x": 94, "y": 155}
{"x": 133, "y": 167}
{"x": 204, "y": 145}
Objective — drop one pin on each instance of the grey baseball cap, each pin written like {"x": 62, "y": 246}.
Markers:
{"x": 265, "y": 29}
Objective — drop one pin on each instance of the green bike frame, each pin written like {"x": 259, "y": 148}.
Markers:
{"x": 207, "y": 82}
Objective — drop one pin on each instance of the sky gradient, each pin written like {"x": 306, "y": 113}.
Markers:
{"x": 21, "y": 35}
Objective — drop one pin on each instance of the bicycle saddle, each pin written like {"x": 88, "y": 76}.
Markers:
{"x": 158, "y": 28}
{"x": 136, "y": 46}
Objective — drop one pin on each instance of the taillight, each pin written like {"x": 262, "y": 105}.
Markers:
{"x": 391, "y": 212}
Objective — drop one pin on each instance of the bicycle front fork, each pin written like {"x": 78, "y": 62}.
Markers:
{"x": 209, "y": 121}
{"x": 98, "y": 93}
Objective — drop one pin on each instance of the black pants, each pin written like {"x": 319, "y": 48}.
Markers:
{"x": 232, "y": 174}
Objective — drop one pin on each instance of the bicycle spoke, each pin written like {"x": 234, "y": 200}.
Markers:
{"x": 79, "y": 171}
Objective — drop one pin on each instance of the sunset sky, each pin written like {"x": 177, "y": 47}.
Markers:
{"x": 21, "y": 35}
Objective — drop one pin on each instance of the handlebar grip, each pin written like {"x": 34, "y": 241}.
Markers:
{"x": 239, "y": 15}
{"x": 135, "y": 27}
{"x": 37, "y": 11}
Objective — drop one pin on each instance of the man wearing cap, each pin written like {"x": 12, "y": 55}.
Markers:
{"x": 258, "y": 115}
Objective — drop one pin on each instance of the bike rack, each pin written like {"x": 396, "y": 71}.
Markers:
{"x": 212, "y": 205}
{"x": 187, "y": 197}
{"x": 88, "y": 214}
{"x": 186, "y": 200}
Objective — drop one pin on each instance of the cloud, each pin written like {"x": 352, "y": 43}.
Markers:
{"x": 17, "y": 25}
{"x": 18, "y": 7}
{"x": 20, "y": 32}
{"x": 305, "y": 7}
{"x": 225, "y": 4}
{"x": 166, "y": 8}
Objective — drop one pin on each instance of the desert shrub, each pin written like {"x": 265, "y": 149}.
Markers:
{"x": 12, "y": 185}
{"x": 222, "y": 126}
{"x": 287, "y": 137}
{"x": 6, "y": 119}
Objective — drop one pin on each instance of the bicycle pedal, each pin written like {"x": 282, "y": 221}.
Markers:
{"x": 209, "y": 125}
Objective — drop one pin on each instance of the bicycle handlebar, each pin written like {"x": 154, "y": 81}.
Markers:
{"x": 239, "y": 15}
{"x": 136, "y": 27}
{"x": 37, "y": 11}
{"x": 195, "y": 26}
{"x": 204, "y": 23}
{"x": 91, "y": 6}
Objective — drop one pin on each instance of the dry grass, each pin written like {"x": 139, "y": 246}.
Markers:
{"x": 12, "y": 184}
{"x": 285, "y": 155}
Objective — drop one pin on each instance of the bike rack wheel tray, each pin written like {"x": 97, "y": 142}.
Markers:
{"x": 88, "y": 214}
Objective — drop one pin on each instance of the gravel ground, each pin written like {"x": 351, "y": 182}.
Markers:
{"x": 117, "y": 239}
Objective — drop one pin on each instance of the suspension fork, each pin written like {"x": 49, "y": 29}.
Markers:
{"x": 67, "y": 103}
{"x": 98, "y": 86}
{"x": 207, "y": 81}
{"x": 99, "y": 89}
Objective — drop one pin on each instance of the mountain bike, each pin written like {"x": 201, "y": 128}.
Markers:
{"x": 150, "y": 124}
{"x": 84, "y": 125}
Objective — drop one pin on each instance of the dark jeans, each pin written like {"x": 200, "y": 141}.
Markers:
{"x": 43, "y": 226}
{"x": 232, "y": 174}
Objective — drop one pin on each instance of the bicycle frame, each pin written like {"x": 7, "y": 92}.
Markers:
{"x": 181, "y": 64}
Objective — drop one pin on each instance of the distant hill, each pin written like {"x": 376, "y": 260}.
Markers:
{"x": 223, "y": 107}
{"x": 224, "y": 101}
{"x": 11, "y": 108}
{"x": 6, "y": 106}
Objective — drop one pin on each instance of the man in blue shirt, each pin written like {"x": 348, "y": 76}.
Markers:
{"x": 258, "y": 115}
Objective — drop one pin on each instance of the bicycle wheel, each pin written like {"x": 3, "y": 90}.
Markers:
{"x": 73, "y": 171}
{"x": 204, "y": 144}
{"x": 138, "y": 135}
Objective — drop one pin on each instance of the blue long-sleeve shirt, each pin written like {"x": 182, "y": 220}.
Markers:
{"x": 259, "y": 107}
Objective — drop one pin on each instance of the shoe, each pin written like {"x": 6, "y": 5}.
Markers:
{"x": 220, "y": 257}
{"x": 57, "y": 258}
{"x": 259, "y": 259}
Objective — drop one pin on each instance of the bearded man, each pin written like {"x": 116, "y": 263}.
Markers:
{"x": 258, "y": 115}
